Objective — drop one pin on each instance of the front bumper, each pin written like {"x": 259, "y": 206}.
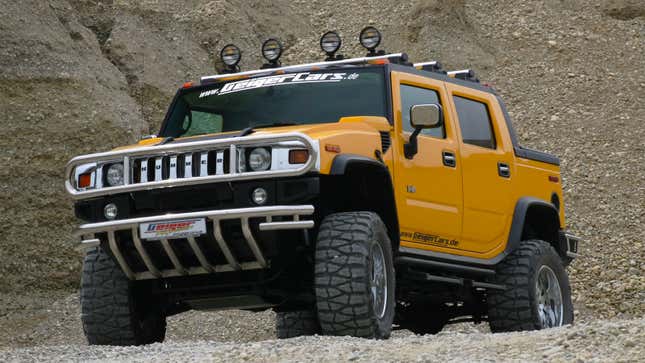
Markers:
{"x": 290, "y": 219}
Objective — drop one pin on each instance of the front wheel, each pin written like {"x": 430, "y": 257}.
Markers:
{"x": 537, "y": 295}
{"x": 112, "y": 312}
{"x": 354, "y": 276}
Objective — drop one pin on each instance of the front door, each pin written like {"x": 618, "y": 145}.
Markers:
{"x": 428, "y": 186}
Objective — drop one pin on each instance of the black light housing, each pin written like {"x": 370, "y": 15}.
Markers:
{"x": 330, "y": 43}
{"x": 271, "y": 51}
{"x": 370, "y": 38}
{"x": 231, "y": 56}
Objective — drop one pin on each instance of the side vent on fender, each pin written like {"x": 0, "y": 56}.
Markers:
{"x": 385, "y": 141}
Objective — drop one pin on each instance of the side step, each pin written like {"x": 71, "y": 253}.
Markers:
{"x": 455, "y": 280}
{"x": 444, "y": 266}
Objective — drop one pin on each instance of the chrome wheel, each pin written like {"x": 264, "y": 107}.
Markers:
{"x": 378, "y": 283}
{"x": 549, "y": 298}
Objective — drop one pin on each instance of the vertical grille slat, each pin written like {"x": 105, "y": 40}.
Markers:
{"x": 144, "y": 171}
{"x": 158, "y": 166}
{"x": 219, "y": 163}
{"x": 203, "y": 164}
{"x": 188, "y": 166}
{"x": 173, "y": 167}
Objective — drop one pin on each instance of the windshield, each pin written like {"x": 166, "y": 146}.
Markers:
{"x": 296, "y": 98}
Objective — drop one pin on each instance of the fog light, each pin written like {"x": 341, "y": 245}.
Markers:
{"x": 330, "y": 43}
{"x": 272, "y": 50}
{"x": 370, "y": 38}
{"x": 110, "y": 211}
{"x": 259, "y": 196}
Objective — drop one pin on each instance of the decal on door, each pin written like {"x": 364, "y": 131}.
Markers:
{"x": 429, "y": 239}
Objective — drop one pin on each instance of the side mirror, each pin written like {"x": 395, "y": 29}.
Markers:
{"x": 425, "y": 116}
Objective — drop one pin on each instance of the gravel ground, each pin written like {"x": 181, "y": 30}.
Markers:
{"x": 240, "y": 336}
{"x": 231, "y": 336}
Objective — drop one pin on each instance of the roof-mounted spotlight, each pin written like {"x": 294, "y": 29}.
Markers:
{"x": 370, "y": 38}
{"x": 271, "y": 51}
{"x": 231, "y": 56}
{"x": 330, "y": 43}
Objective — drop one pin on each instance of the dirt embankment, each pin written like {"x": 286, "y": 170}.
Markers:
{"x": 79, "y": 76}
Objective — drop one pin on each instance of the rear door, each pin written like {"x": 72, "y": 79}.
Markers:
{"x": 428, "y": 186}
{"x": 487, "y": 170}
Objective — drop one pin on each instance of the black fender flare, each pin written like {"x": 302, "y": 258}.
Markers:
{"x": 518, "y": 223}
{"x": 344, "y": 163}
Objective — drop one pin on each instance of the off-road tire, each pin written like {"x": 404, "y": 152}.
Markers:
{"x": 291, "y": 324}
{"x": 516, "y": 308}
{"x": 108, "y": 306}
{"x": 343, "y": 273}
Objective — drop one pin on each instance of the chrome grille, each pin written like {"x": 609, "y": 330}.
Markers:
{"x": 189, "y": 163}
{"x": 178, "y": 166}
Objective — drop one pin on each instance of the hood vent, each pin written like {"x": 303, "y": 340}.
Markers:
{"x": 385, "y": 141}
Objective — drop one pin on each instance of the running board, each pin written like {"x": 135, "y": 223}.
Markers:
{"x": 456, "y": 280}
{"x": 444, "y": 266}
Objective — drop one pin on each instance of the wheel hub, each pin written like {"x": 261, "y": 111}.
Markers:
{"x": 378, "y": 282}
{"x": 549, "y": 298}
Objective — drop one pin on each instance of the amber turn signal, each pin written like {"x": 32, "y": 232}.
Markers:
{"x": 84, "y": 180}
{"x": 298, "y": 156}
{"x": 332, "y": 148}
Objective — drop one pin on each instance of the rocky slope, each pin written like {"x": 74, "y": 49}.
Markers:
{"x": 78, "y": 76}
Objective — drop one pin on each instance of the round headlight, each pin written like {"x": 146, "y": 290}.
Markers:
{"x": 114, "y": 175}
{"x": 330, "y": 43}
{"x": 370, "y": 38}
{"x": 259, "y": 159}
{"x": 272, "y": 50}
{"x": 230, "y": 55}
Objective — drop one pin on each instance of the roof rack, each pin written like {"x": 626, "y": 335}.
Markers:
{"x": 401, "y": 58}
{"x": 465, "y": 74}
{"x": 433, "y": 66}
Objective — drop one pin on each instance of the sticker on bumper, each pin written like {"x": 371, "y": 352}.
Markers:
{"x": 173, "y": 229}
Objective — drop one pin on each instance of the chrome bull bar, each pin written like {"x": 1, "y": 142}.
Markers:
{"x": 88, "y": 234}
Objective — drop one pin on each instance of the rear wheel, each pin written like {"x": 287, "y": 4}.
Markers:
{"x": 292, "y": 324}
{"x": 354, "y": 276}
{"x": 112, "y": 312}
{"x": 537, "y": 295}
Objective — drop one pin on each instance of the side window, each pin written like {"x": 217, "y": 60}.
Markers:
{"x": 202, "y": 123}
{"x": 475, "y": 123}
{"x": 411, "y": 96}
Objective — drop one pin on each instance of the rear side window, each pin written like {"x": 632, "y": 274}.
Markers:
{"x": 411, "y": 96}
{"x": 475, "y": 123}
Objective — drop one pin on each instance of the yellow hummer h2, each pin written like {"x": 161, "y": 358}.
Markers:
{"x": 350, "y": 196}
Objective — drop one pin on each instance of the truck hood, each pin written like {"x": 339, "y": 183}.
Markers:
{"x": 346, "y": 126}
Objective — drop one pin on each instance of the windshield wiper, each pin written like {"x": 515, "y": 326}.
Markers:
{"x": 246, "y": 131}
{"x": 250, "y": 130}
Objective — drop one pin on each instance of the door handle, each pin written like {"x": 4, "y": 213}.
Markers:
{"x": 449, "y": 159}
{"x": 503, "y": 170}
